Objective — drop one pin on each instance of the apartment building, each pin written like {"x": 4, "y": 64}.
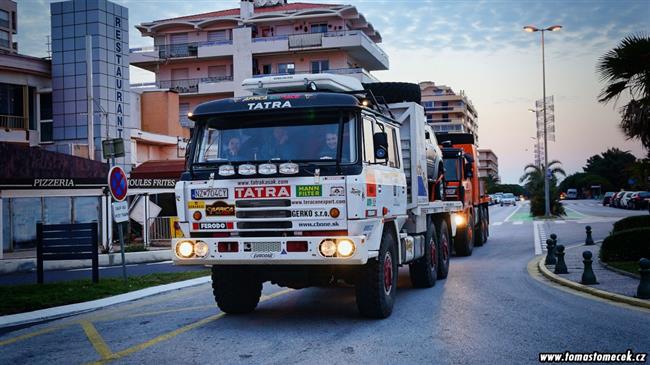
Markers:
{"x": 488, "y": 164}
{"x": 207, "y": 56}
{"x": 8, "y": 26}
{"x": 448, "y": 111}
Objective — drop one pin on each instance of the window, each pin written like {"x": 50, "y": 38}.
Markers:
{"x": 286, "y": 68}
{"x": 319, "y": 28}
{"x": 216, "y": 73}
{"x": 218, "y": 36}
{"x": 393, "y": 153}
{"x": 46, "y": 117}
{"x": 4, "y": 39}
{"x": 427, "y": 104}
{"x": 183, "y": 110}
{"x": 267, "y": 69}
{"x": 4, "y": 19}
{"x": 320, "y": 66}
{"x": 368, "y": 144}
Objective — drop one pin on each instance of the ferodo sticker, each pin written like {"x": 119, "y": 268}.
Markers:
{"x": 213, "y": 225}
{"x": 218, "y": 193}
{"x": 309, "y": 190}
{"x": 220, "y": 209}
{"x": 253, "y": 192}
{"x": 192, "y": 204}
{"x": 308, "y": 213}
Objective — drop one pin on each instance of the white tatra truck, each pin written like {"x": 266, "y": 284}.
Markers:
{"x": 315, "y": 180}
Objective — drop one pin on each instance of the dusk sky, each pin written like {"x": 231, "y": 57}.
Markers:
{"x": 475, "y": 46}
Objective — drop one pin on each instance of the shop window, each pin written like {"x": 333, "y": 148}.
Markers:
{"x": 57, "y": 210}
{"x": 86, "y": 209}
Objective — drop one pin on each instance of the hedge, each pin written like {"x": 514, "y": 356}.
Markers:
{"x": 628, "y": 245}
{"x": 635, "y": 221}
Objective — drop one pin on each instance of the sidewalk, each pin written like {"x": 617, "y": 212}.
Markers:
{"x": 611, "y": 284}
{"x": 25, "y": 261}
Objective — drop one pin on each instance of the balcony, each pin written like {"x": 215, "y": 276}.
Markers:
{"x": 149, "y": 56}
{"x": 356, "y": 72}
{"x": 13, "y": 122}
{"x": 206, "y": 85}
{"x": 4, "y": 43}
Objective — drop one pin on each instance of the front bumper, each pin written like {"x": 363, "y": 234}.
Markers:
{"x": 272, "y": 251}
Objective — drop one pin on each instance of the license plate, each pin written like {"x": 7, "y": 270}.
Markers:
{"x": 219, "y": 193}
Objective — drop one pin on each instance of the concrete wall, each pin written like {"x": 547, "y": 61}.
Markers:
{"x": 160, "y": 113}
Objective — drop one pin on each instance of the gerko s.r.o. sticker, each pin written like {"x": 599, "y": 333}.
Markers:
{"x": 218, "y": 193}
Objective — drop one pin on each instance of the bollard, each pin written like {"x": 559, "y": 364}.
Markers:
{"x": 554, "y": 238}
{"x": 643, "y": 291}
{"x": 589, "y": 241}
{"x": 588, "y": 276}
{"x": 560, "y": 267}
{"x": 550, "y": 252}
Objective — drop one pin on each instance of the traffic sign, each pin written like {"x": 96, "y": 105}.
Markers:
{"x": 120, "y": 211}
{"x": 117, "y": 183}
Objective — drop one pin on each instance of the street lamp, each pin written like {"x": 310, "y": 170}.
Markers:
{"x": 532, "y": 29}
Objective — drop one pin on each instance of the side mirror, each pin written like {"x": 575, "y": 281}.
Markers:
{"x": 427, "y": 135}
{"x": 468, "y": 169}
{"x": 380, "y": 141}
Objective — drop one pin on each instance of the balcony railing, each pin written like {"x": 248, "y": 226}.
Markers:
{"x": 13, "y": 122}
{"x": 188, "y": 86}
{"x": 4, "y": 43}
{"x": 4, "y": 23}
{"x": 178, "y": 50}
{"x": 337, "y": 71}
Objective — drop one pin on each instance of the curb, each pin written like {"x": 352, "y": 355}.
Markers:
{"x": 619, "y": 271}
{"x": 48, "y": 314}
{"x": 28, "y": 265}
{"x": 589, "y": 290}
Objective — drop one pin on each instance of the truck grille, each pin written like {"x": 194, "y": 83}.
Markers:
{"x": 263, "y": 203}
{"x": 264, "y": 214}
{"x": 263, "y": 225}
{"x": 262, "y": 246}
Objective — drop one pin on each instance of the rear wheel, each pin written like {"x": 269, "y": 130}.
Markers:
{"x": 424, "y": 270}
{"x": 236, "y": 291}
{"x": 464, "y": 241}
{"x": 444, "y": 248}
{"x": 377, "y": 282}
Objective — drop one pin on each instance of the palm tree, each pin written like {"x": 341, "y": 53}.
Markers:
{"x": 627, "y": 68}
{"x": 533, "y": 179}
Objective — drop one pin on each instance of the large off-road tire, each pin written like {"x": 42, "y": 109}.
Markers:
{"x": 395, "y": 92}
{"x": 444, "y": 248}
{"x": 464, "y": 241}
{"x": 486, "y": 226}
{"x": 377, "y": 282}
{"x": 479, "y": 237}
{"x": 424, "y": 271}
{"x": 236, "y": 291}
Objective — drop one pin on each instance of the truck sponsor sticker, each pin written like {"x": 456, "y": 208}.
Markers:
{"x": 308, "y": 213}
{"x": 192, "y": 204}
{"x": 269, "y": 105}
{"x": 213, "y": 225}
{"x": 264, "y": 255}
{"x": 318, "y": 202}
{"x": 337, "y": 191}
{"x": 318, "y": 224}
{"x": 220, "y": 209}
{"x": 309, "y": 190}
{"x": 218, "y": 193}
{"x": 263, "y": 192}
{"x": 371, "y": 202}
{"x": 371, "y": 190}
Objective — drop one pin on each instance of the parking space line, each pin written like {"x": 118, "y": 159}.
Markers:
{"x": 146, "y": 314}
{"x": 96, "y": 340}
{"x": 178, "y": 331}
{"x": 30, "y": 335}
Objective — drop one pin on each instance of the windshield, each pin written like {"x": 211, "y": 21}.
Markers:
{"x": 508, "y": 196}
{"x": 452, "y": 167}
{"x": 296, "y": 137}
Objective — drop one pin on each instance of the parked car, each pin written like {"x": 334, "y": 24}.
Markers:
{"x": 625, "y": 199}
{"x": 572, "y": 193}
{"x": 508, "y": 199}
{"x": 639, "y": 200}
{"x": 607, "y": 199}
{"x": 616, "y": 199}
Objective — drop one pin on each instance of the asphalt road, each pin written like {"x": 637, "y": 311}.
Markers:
{"x": 490, "y": 310}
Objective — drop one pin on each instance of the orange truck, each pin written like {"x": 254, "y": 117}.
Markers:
{"x": 460, "y": 156}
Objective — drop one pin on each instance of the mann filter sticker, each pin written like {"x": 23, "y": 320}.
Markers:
{"x": 309, "y": 190}
{"x": 218, "y": 193}
{"x": 220, "y": 209}
{"x": 195, "y": 204}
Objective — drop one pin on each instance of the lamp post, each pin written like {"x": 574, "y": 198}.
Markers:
{"x": 532, "y": 29}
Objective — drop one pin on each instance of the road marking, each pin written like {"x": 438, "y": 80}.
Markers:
{"x": 497, "y": 223}
{"x": 96, "y": 340}
{"x": 30, "y": 335}
{"x": 146, "y": 314}
{"x": 518, "y": 222}
{"x": 560, "y": 222}
{"x": 575, "y": 211}
{"x": 176, "y": 332}
{"x": 513, "y": 212}
{"x": 538, "y": 244}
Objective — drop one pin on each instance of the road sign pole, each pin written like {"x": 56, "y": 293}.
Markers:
{"x": 121, "y": 234}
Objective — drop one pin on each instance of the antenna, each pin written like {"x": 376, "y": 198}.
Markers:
{"x": 48, "y": 43}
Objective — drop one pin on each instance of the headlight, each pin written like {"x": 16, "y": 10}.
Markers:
{"x": 345, "y": 247}
{"x": 185, "y": 249}
{"x": 247, "y": 169}
{"x": 267, "y": 169}
{"x": 288, "y": 168}
{"x": 226, "y": 170}
{"x": 327, "y": 248}
{"x": 201, "y": 249}
{"x": 459, "y": 219}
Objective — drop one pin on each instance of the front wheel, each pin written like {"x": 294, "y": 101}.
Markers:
{"x": 444, "y": 248}
{"x": 376, "y": 285}
{"x": 236, "y": 291}
{"x": 464, "y": 241}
